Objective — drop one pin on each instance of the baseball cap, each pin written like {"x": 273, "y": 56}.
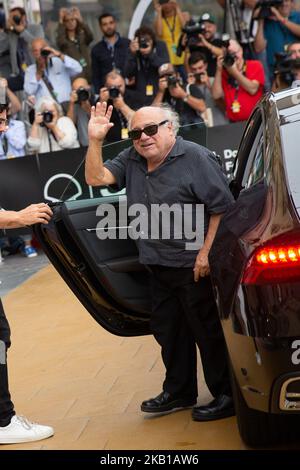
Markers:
{"x": 207, "y": 17}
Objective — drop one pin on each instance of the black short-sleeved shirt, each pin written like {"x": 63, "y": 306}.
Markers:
{"x": 187, "y": 114}
{"x": 189, "y": 175}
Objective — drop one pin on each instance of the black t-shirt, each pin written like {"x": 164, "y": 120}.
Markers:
{"x": 210, "y": 57}
{"x": 188, "y": 177}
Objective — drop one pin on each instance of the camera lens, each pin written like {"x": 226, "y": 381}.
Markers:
{"x": 143, "y": 43}
{"x": 45, "y": 53}
{"x": 17, "y": 20}
{"x": 114, "y": 92}
{"x": 47, "y": 117}
{"x": 82, "y": 94}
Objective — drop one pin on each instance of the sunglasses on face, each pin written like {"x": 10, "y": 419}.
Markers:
{"x": 150, "y": 130}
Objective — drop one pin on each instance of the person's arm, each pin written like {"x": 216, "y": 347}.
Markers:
{"x": 33, "y": 214}
{"x": 95, "y": 172}
{"x": 120, "y": 104}
{"x": 201, "y": 267}
{"x": 158, "y": 22}
{"x": 13, "y": 99}
{"x": 217, "y": 89}
{"x": 130, "y": 66}
{"x": 61, "y": 37}
{"x": 160, "y": 55}
{"x": 182, "y": 16}
{"x": 16, "y": 135}
{"x": 251, "y": 86}
{"x": 71, "y": 109}
{"x": 69, "y": 132}
{"x": 198, "y": 104}
{"x": 260, "y": 42}
{"x": 31, "y": 82}
{"x": 88, "y": 35}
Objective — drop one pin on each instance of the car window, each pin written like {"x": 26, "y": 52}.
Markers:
{"x": 77, "y": 189}
{"x": 290, "y": 131}
{"x": 255, "y": 166}
{"x": 247, "y": 149}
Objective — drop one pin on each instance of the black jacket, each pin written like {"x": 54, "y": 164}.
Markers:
{"x": 145, "y": 69}
{"x": 103, "y": 62}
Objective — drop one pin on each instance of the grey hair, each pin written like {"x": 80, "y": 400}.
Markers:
{"x": 169, "y": 114}
{"x": 45, "y": 101}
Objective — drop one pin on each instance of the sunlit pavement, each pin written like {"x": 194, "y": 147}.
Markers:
{"x": 68, "y": 372}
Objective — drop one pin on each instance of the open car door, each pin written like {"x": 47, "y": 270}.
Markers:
{"x": 104, "y": 274}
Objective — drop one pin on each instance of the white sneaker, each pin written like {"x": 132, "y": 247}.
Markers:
{"x": 22, "y": 430}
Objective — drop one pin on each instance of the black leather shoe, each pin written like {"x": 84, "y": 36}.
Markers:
{"x": 166, "y": 402}
{"x": 221, "y": 407}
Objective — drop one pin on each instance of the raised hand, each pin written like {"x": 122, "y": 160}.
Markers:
{"x": 99, "y": 124}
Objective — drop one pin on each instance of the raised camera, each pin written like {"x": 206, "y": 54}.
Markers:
{"x": 198, "y": 76}
{"x": 82, "y": 94}
{"x": 47, "y": 117}
{"x": 114, "y": 92}
{"x": 143, "y": 43}
{"x": 172, "y": 80}
{"x": 17, "y": 19}
{"x": 229, "y": 59}
{"x": 45, "y": 52}
{"x": 265, "y": 7}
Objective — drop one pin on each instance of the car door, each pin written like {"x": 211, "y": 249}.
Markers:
{"x": 86, "y": 242}
{"x": 230, "y": 252}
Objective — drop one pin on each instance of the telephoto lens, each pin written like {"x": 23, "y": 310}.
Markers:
{"x": 45, "y": 52}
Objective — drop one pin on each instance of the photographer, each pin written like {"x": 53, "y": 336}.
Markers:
{"x": 286, "y": 71}
{"x": 51, "y": 131}
{"x": 74, "y": 37}
{"x": 81, "y": 102}
{"x": 14, "y": 47}
{"x": 201, "y": 37}
{"x": 124, "y": 103}
{"x": 213, "y": 116}
{"x": 142, "y": 64}
{"x": 277, "y": 27}
{"x": 186, "y": 100}
{"x": 51, "y": 74}
{"x": 240, "y": 83}
{"x": 168, "y": 25}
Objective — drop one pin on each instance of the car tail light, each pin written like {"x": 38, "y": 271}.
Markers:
{"x": 271, "y": 264}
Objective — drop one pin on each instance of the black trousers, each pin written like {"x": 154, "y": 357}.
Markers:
{"x": 184, "y": 314}
{"x": 6, "y": 405}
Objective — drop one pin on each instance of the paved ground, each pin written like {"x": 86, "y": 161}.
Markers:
{"x": 68, "y": 372}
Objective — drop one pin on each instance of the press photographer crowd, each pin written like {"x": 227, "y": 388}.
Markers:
{"x": 207, "y": 73}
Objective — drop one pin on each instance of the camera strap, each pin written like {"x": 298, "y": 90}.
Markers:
{"x": 50, "y": 87}
{"x": 171, "y": 28}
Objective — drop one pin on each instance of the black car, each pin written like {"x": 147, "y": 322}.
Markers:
{"x": 255, "y": 267}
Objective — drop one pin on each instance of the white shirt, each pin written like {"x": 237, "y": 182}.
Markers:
{"x": 42, "y": 143}
{"x": 59, "y": 75}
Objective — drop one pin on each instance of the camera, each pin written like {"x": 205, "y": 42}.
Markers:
{"x": 198, "y": 76}
{"x": 172, "y": 80}
{"x": 192, "y": 29}
{"x": 286, "y": 67}
{"x": 114, "y": 92}
{"x": 143, "y": 43}
{"x": 47, "y": 117}
{"x": 265, "y": 8}
{"x": 229, "y": 59}
{"x": 45, "y": 53}
{"x": 17, "y": 19}
{"x": 82, "y": 94}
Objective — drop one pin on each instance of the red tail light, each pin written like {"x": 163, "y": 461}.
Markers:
{"x": 274, "y": 264}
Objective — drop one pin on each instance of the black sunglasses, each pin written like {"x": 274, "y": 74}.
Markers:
{"x": 150, "y": 130}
